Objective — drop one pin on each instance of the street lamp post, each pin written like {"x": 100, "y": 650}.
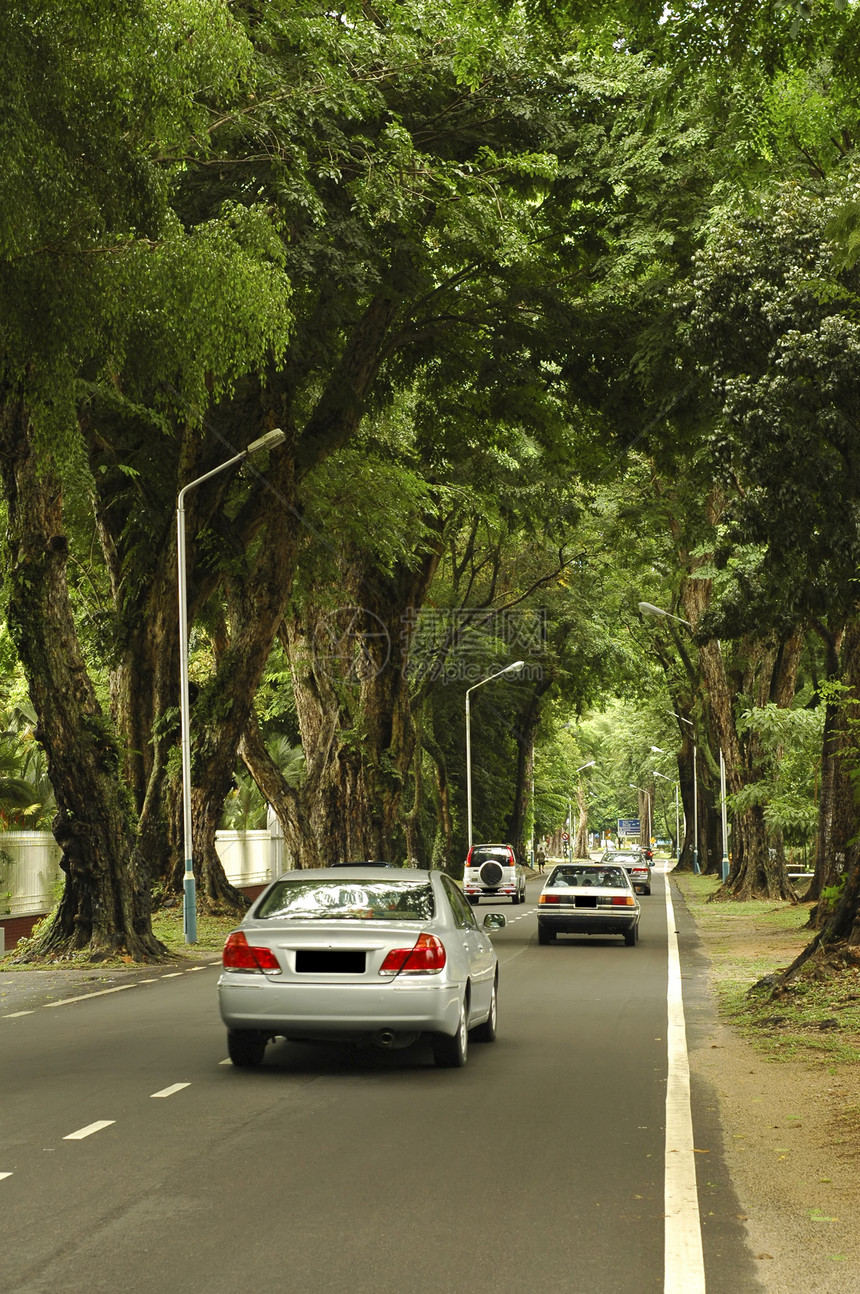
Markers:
{"x": 189, "y": 908}
{"x": 509, "y": 669}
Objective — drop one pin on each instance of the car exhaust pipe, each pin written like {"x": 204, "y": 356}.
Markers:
{"x": 385, "y": 1038}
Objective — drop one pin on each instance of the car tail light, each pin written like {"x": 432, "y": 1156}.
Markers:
{"x": 550, "y": 898}
{"x": 240, "y": 955}
{"x": 426, "y": 957}
{"x": 623, "y": 901}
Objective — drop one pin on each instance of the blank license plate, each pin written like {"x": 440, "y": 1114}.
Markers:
{"x": 325, "y": 961}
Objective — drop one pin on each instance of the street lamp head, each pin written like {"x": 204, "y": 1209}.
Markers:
{"x": 658, "y": 750}
{"x": 648, "y": 609}
{"x": 272, "y": 438}
{"x": 590, "y": 764}
{"x": 515, "y": 668}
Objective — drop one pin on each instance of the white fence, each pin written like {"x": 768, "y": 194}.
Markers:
{"x": 31, "y": 880}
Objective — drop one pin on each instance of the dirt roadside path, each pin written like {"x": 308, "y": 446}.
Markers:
{"x": 791, "y": 1129}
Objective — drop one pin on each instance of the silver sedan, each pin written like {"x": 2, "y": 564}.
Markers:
{"x": 355, "y": 954}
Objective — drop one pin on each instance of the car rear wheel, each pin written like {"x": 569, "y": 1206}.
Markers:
{"x": 452, "y": 1053}
{"x": 631, "y": 936}
{"x": 515, "y": 897}
{"x": 486, "y": 1032}
{"x": 545, "y": 936}
{"x": 246, "y": 1047}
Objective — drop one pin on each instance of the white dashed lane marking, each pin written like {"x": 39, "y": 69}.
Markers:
{"x": 102, "y": 992}
{"x": 2, "y": 1175}
{"x": 89, "y": 1130}
{"x": 169, "y": 1091}
{"x": 119, "y": 988}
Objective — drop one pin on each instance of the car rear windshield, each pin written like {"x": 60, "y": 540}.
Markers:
{"x": 490, "y": 855}
{"x": 299, "y": 900}
{"x": 609, "y": 877}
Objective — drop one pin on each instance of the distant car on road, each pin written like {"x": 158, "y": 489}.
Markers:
{"x": 492, "y": 871}
{"x": 635, "y": 864}
{"x": 360, "y": 954}
{"x": 588, "y": 899}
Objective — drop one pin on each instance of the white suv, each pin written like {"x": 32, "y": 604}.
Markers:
{"x": 492, "y": 871}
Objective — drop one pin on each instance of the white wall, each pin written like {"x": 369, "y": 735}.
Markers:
{"x": 30, "y": 872}
{"x": 248, "y": 857}
{"x": 30, "y": 876}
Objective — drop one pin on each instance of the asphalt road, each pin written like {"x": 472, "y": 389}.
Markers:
{"x": 137, "y": 1159}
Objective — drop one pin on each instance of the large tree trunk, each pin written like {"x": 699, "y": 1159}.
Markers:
{"x": 525, "y": 734}
{"x": 839, "y": 921}
{"x": 753, "y": 872}
{"x": 105, "y": 906}
{"x": 416, "y": 850}
{"x": 580, "y": 847}
{"x": 443, "y": 848}
{"x": 351, "y": 684}
{"x": 836, "y": 805}
{"x": 838, "y": 813}
{"x": 687, "y": 789}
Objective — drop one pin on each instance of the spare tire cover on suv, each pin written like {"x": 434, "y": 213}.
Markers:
{"x": 490, "y": 873}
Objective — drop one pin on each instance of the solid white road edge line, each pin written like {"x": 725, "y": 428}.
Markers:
{"x": 89, "y": 1130}
{"x": 683, "y": 1262}
{"x": 168, "y": 1091}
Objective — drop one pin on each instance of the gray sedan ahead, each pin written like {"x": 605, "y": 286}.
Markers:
{"x": 355, "y": 954}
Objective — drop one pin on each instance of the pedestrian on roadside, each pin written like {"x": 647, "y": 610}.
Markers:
{"x": 540, "y": 858}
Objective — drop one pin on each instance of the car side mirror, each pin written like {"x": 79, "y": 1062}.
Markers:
{"x": 495, "y": 921}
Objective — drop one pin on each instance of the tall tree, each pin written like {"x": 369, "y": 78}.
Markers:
{"x": 85, "y": 230}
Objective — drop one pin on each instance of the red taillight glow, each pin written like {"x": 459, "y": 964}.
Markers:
{"x": 550, "y": 898}
{"x": 623, "y": 902}
{"x": 426, "y": 957}
{"x": 238, "y": 954}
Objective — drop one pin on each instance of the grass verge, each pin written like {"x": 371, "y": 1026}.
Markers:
{"x": 167, "y": 926}
{"x": 814, "y": 1018}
